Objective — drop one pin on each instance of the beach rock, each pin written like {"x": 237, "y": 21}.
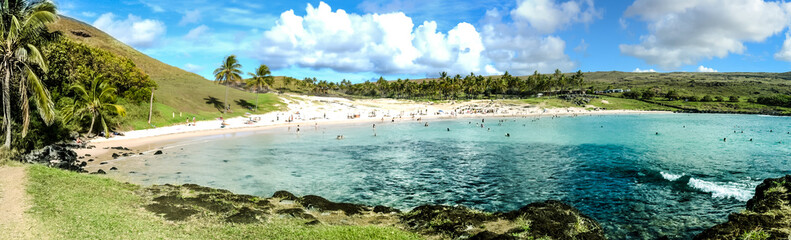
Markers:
{"x": 245, "y": 215}
{"x": 100, "y": 172}
{"x": 158, "y": 152}
{"x": 385, "y": 209}
{"x": 83, "y": 164}
{"x": 113, "y": 169}
{"x": 295, "y": 213}
{"x": 87, "y": 155}
{"x": 322, "y": 204}
{"x": 285, "y": 195}
{"x": 768, "y": 214}
{"x": 56, "y": 155}
{"x": 102, "y": 163}
{"x": 116, "y": 155}
{"x": 552, "y": 219}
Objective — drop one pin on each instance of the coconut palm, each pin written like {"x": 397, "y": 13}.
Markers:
{"x": 95, "y": 101}
{"x": 22, "y": 25}
{"x": 260, "y": 79}
{"x": 228, "y": 73}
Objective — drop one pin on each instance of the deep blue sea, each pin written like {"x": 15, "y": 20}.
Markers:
{"x": 640, "y": 176}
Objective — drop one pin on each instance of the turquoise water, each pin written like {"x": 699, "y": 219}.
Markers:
{"x": 616, "y": 168}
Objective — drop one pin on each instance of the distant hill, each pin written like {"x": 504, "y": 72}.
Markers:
{"x": 178, "y": 91}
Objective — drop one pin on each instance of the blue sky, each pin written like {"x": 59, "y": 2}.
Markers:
{"x": 362, "y": 40}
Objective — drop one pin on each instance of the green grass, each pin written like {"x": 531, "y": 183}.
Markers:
{"x": 548, "y": 102}
{"x": 755, "y": 235}
{"x": 69, "y": 205}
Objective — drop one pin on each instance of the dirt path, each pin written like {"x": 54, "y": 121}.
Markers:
{"x": 14, "y": 201}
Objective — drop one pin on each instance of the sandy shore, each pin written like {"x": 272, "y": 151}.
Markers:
{"x": 308, "y": 111}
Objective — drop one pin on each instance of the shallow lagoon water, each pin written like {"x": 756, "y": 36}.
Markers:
{"x": 615, "y": 168}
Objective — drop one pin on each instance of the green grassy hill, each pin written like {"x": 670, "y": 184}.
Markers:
{"x": 180, "y": 92}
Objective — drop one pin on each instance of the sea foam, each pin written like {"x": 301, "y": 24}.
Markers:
{"x": 718, "y": 190}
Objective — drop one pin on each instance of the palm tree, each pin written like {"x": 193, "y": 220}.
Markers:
{"x": 22, "y": 27}
{"x": 96, "y": 101}
{"x": 228, "y": 73}
{"x": 260, "y": 79}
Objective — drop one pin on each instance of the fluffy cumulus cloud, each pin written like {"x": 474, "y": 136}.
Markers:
{"x": 701, "y": 68}
{"x": 638, "y": 70}
{"x": 683, "y": 32}
{"x": 785, "y": 52}
{"x": 391, "y": 43}
{"x": 548, "y": 16}
{"x": 137, "y": 32}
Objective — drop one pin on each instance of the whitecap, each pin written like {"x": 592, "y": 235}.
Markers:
{"x": 731, "y": 190}
{"x": 670, "y": 177}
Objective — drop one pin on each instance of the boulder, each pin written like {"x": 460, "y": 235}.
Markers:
{"x": 283, "y": 195}
{"x": 158, "y": 152}
{"x": 322, "y": 204}
{"x": 56, "y": 155}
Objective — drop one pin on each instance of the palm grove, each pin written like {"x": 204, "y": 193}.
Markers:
{"x": 71, "y": 87}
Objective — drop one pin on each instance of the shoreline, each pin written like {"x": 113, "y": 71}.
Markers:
{"x": 149, "y": 143}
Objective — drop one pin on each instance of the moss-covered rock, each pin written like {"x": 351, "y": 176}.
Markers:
{"x": 768, "y": 215}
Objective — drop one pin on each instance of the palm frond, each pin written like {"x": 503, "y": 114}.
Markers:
{"x": 41, "y": 97}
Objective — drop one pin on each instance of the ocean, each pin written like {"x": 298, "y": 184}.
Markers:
{"x": 641, "y": 176}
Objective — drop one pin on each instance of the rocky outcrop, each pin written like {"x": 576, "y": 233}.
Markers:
{"x": 550, "y": 219}
{"x": 57, "y": 156}
{"x": 768, "y": 215}
{"x": 545, "y": 220}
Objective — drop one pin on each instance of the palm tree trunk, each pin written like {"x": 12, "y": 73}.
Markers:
{"x": 7, "y": 106}
{"x": 226, "y": 100}
{"x": 256, "y": 100}
{"x": 93, "y": 119}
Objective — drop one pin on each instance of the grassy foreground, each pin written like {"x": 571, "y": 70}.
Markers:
{"x": 69, "y": 205}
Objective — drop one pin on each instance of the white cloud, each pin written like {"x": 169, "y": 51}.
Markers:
{"x": 638, "y": 70}
{"x": 785, "y": 52}
{"x": 193, "y": 68}
{"x": 701, "y": 68}
{"x": 197, "y": 32}
{"x": 683, "y": 32}
{"x": 193, "y": 16}
{"x": 88, "y": 14}
{"x": 391, "y": 43}
{"x": 582, "y": 47}
{"x": 154, "y": 7}
{"x": 133, "y": 30}
{"x": 547, "y": 16}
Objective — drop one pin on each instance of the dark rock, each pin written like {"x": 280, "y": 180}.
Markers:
{"x": 322, "y": 204}
{"x": 439, "y": 219}
{"x": 766, "y": 215}
{"x": 171, "y": 212}
{"x": 141, "y": 154}
{"x": 113, "y": 169}
{"x": 557, "y": 220}
{"x": 90, "y": 160}
{"x": 127, "y": 154}
{"x": 158, "y": 152}
{"x": 487, "y": 235}
{"x": 296, "y": 213}
{"x": 102, "y": 163}
{"x": 385, "y": 209}
{"x": 80, "y": 157}
{"x": 245, "y": 216}
{"x": 285, "y": 195}
{"x": 100, "y": 171}
{"x": 83, "y": 164}
{"x": 57, "y": 155}
{"x": 120, "y": 148}
{"x": 116, "y": 155}
{"x": 312, "y": 223}
{"x": 81, "y": 33}
{"x": 87, "y": 155}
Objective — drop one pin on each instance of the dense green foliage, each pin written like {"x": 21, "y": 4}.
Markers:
{"x": 74, "y": 62}
{"x": 469, "y": 87}
{"x": 22, "y": 33}
{"x": 94, "y": 100}
{"x": 776, "y": 100}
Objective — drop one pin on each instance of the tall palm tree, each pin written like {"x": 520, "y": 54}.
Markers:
{"x": 228, "y": 73}
{"x": 260, "y": 79}
{"x": 22, "y": 25}
{"x": 96, "y": 100}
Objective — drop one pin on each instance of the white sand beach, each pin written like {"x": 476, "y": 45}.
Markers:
{"x": 312, "y": 110}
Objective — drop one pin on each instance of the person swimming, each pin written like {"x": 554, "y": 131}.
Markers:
{"x": 508, "y": 135}
{"x": 425, "y": 125}
{"x": 448, "y": 129}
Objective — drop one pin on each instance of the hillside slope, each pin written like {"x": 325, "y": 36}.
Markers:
{"x": 179, "y": 92}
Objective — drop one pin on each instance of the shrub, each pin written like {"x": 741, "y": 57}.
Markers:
{"x": 719, "y": 98}
{"x": 733, "y": 99}
{"x": 706, "y": 98}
